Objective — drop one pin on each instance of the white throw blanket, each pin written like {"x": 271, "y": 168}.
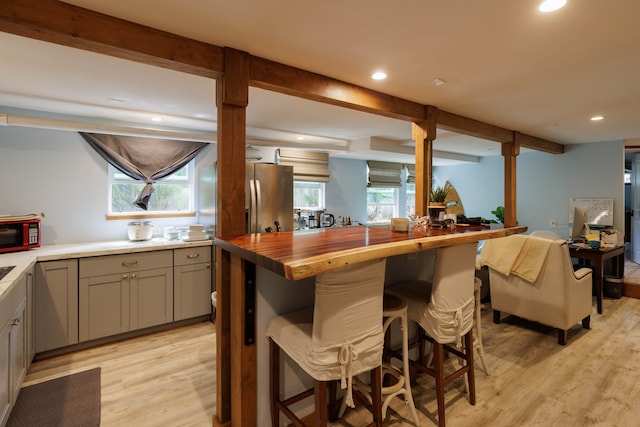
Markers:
{"x": 520, "y": 255}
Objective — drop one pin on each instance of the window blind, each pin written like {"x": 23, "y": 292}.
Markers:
{"x": 384, "y": 174}
{"x": 307, "y": 165}
{"x": 411, "y": 174}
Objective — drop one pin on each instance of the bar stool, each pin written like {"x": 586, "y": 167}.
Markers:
{"x": 394, "y": 308}
{"x": 477, "y": 338}
{"x": 444, "y": 310}
{"x": 340, "y": 337}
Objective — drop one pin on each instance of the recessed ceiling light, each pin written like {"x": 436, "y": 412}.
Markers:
{"x": 439, "y": 82}
{"x": 551, "y": 5}
{"x": 300, "y": 138}
{"x": 156, "y": 119}
{"x": 379, "y": 75}
{"x": 597, "y": 118}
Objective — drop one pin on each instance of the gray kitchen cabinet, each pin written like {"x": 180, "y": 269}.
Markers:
{"x": 55, "y": 304}
{"x": 5, "y": 372}
{"x": 30, "y": 317}
{"x": 13, "y": 346}
{"x": 193, "y": 277}
{"x": 121, "y": 293}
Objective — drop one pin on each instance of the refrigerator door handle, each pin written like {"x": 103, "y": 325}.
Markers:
{"x": 258, "y": 206}
{"x": 253, "y": 214}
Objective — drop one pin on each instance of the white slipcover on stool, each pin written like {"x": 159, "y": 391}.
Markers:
{"x": 341, "y": 336}
{"x": 444, "y": 309}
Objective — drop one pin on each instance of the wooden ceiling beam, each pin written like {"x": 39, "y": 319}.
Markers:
{"x": 538, "y": 144}
{"x": 61, "y": 23}
{"x": 466, "y": 126}
{"x": 289, "y": 80}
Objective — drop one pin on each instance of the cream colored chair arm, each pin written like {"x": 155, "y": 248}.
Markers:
{"x": 582, "y": 272}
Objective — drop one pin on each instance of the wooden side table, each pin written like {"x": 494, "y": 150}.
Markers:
{"x": 596, "y": 259}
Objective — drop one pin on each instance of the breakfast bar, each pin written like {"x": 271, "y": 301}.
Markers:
{"x": 260, "y": 265}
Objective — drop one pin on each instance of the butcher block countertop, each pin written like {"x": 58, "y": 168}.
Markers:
{"x": 297, "y": 255}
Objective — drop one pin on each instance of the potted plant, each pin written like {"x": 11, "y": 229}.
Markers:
{"x": 499, "y": 214}
{"x": 438, "y": 195}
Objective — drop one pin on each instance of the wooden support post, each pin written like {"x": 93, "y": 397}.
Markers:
{"x": 222, "y": 417}
{"x": 510, "y": 151}
{"x": 235, "y": 399}
{"x": 423, "y": 133}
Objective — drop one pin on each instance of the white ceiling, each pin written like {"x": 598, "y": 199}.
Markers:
{"x": 504, "y": 62}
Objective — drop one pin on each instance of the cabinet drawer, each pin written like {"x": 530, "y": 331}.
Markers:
{"x": 190, "y": 256}
{"x": 111, "y": 264}
{"x": 10, "y": 302}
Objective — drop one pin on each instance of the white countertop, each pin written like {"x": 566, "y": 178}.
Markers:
{"x": 23, "y": 260}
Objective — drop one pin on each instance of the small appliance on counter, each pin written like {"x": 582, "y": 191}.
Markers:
{"x": 171, "y": 233}
{"x": 327, "y": 220}
{"x": 19, "y": 233}
{"x": 140, "y": 230}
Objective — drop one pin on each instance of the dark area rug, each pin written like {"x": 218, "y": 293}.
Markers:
{"x": 69, "y": 401}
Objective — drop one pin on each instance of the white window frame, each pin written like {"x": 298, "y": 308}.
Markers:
{"x": 116, "y": 177}
{"x": 410, "y": 194}
{"x": 321, "y": 187}
{"x": 396, "y": 201}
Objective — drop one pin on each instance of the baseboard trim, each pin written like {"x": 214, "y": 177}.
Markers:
{"x": 631, "y": 290}
{"x": 130, "y": 334}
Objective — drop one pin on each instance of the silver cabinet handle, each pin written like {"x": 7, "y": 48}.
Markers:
{"x": 208, "y": 265}
{"x": 125, "y": 276}
{"x": 129, "y": 263}
{"x": 134, "y": 275}
{"x": 193, "y": 256}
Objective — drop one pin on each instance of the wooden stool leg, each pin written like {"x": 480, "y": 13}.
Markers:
{"x": 438, "y": 356}
{"x": 320, "y": 394}
{"x": 468, "y": 342}
{"x": 333, "y": 403}
{"x": 376, "y": 396}
{"x": 274, "y": 361}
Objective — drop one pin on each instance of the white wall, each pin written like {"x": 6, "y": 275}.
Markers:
{"x": 545, "y": 182}
{"x": 59, "y": 174}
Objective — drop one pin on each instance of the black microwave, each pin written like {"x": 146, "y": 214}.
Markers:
{"x": 19, "y": 235}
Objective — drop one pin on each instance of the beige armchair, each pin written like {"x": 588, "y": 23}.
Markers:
{"x": 547, "y": 290}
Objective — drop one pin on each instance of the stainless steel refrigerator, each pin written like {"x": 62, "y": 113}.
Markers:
{"x": 269, "y": 197}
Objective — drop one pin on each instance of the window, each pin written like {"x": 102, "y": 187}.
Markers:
{"x": 173, "y": 194}
{"x": 308, "y": 195}
{"x": 411, "y": 200}
{"x": 382, "y": 204}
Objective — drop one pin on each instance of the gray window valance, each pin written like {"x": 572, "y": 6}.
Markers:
{"x": 307, "y": 165}
{"x": 384, "y": 174}
{"x": 144, "y": 159}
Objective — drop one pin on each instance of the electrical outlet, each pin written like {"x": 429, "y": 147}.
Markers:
{"x": 553, "y": 223}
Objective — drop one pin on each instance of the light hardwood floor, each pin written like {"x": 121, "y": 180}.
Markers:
{"x": 168, "y": 378}
{"x": 162, "y": 379}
